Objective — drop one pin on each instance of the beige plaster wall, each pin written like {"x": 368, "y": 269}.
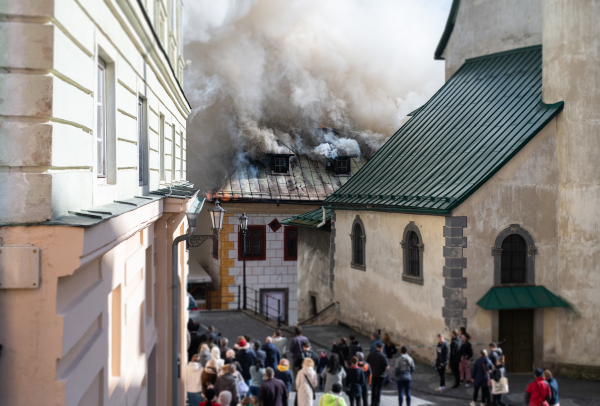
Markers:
{"x": 313, "y": 270}
{"x": 488, "y": 26}
{"x": 571, "y": 74}
{"x": 378, "y": 298}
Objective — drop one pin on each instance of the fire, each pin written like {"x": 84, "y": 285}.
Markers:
{"x": 225, "y": 196}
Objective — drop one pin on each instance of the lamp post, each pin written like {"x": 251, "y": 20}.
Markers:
{"x": 244, "y": 228}
{"x": 216, "y": 215}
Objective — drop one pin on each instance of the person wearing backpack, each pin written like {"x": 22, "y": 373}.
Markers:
{"x": 403, "y": 370}
{"x": 306, "y": 383}
{"x": 304, "y": 354}
{"x": 333, "y": 398}
{"x": 368, "y": 374}
{"x": 355, "y": 381}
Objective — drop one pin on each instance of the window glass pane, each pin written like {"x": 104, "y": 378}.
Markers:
{"x": 255, "y": 233}
{"x": 292, "y": 248}
{"x": 292, "y": 234}
{"x": 255, "y": 247}
{"x": 513, "y": 268}
{"x": 247, "y": 246}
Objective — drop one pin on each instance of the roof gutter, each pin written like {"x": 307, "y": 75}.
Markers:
{"x": 439, "y": 51}
{"x": 367, "y": 207}
{"x": 324, "y": 218}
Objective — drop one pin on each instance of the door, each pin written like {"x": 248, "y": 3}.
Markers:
{"x": 272, "y": 302}
{"x": 516, "y": 330}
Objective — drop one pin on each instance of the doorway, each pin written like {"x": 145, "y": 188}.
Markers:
{"x": 313, "y": 305}
{"x": 272, "y": 301}
{"x": 516, "y": 330}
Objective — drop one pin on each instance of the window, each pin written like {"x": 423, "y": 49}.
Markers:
{"x": 412, "y": 253}
{"x": 161, "y": 135}
{"x": 215, "y": 247}
{"x": 290, "y": 243}
{"x": 281, "y": 164}
{"x": 514, "y": 257}
{"x": 275, "y": 225}
{"x": 173, "y": 152}
{"x": 181, "y": 154}
{"x": 342, "y": 166}
{"x": 101, "y": 169}
{"x": 142, "y": 149}
{"x": 359, "y": 239}
{"x": 255, "y": 244}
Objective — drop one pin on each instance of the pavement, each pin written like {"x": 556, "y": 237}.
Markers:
{"x": 425, "y": 380}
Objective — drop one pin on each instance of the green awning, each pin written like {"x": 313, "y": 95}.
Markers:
{"x": 520, "y": 297}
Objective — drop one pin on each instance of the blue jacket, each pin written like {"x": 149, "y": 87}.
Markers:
{"x": 553, "y": 390}
{"x": 273, "y": 355}
{"x": 246, "y": 359}
{"x": 374, "y": 345}
{"x": 478, "y": 372}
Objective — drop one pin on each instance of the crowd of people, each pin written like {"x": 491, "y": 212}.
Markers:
{"x": 266, "y": 373}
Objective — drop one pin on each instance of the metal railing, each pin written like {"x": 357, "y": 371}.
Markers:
{"x": 263, "y": 307}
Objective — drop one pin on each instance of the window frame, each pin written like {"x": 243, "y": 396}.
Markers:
{"x": 161, "y": 138}
{"x": 406, "y": 254}
{"x": 286, "y": 242}
{"x": 263, "y": 244}
{"x": 142, "y": 142}
{"x": 173, "y": 152}
{"x": 337, "y": 163}
{"x": 531, "y": 252}
{"x": 101, "y": 123}
{"x": 362, "y": 241}
{"x": 274, "y": 165}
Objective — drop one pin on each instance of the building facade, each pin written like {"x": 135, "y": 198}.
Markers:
{"x": 479, "y": 211}
{"x": 93, "y": 135}
{"x": 268, "y": 194}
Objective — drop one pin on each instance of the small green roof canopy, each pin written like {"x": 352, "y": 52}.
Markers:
{"x": 482, "y": 117}
{"x": 311, "y": 219}
{"x": 519, "y": 297}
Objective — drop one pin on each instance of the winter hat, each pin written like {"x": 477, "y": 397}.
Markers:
{"x": 323, "y": 354}
{"x": 538, "y": 372}
{"x": 242, "y": 343}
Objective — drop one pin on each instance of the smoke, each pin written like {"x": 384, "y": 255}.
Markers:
{"x": 270, "y": 76}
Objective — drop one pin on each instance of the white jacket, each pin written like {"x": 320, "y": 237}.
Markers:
{"x": 305, "y": 393}
{"x": 192, "y": 379}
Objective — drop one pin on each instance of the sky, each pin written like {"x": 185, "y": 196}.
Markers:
{"x": 273, "y": 76}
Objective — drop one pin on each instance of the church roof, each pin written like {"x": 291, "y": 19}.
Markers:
{"x": 482, "y": 117}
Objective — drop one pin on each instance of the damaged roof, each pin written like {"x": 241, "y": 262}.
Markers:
{"x": 482, "y": 117}
{"x": 308, "y": 181}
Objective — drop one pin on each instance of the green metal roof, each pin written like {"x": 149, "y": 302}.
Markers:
{"x": 484, "y": 114}
{"x": 439, "y": 50}
{"x": 311, "y": 219}
{"x": 520, "y": 297}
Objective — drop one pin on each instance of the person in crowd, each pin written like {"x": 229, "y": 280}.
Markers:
{"x": 379, "y": 366}
{"x": 260, "y": 354}
{"x": 205, "y": 355}
{"x": 355, "y": 382}
{"x": 368, "y": 375}
{"x": 211, "y": 334}
{"x": 280, "y": 341}
{"x": 208, "y": 377}
{"x": 193, "y": 381}
{"x": 481, "y": 373}
{"x": 245, "y": 357}
{"x": 284, "y": 374}
{"x": 374, "y": 341}
{"x": 463, "y": 330}
{"x": 224, "y": 347}
{"x": 497, "y": 374}
{"x": 224, "y": 398}
{"x": 196, "y": 340}
{"x": 354, "y": 346}
{"x": 538, "y": 392}
{"x": 403, "y": 370}
{"x": 455, "y": 345}
{"x": 321, "y": 367}
{"x": 257, "y": 373}
{"x": 494, "y": 353}
{"x": 297, "y": 341}
{"x": 334, "y": 373}
{"x": 306, "y": 352}
{"x": 273, "y": 355}
{"x": 333, "y": 398}
{"x": 306, "y": 383}
{"x": 230, "y": 358}
{"x": 228, "y": 381}
{"x": 341, "y": 349}
{"x": 466, "y": 353}
{"x": 211, "y": 394}
{"x": 553, "y": 401}
{"x": 273, "y": 392}
{"x": 441, "y": 361}
{"x": 215, "y": 361}
{"x": 390, "y": 350}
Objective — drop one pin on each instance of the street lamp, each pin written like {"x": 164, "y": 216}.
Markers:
{"x": 217, "y": 214}
{"x": 244, "y": 228}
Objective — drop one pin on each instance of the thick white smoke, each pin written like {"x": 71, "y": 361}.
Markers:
{"x": 266, "y": 74}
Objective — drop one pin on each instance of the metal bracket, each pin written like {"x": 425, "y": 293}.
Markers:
{"x": 198, "y": 240}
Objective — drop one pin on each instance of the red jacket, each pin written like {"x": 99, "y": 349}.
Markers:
{"x": 538, "y": 390}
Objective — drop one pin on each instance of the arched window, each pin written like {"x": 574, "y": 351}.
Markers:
{"x": 513, "y": 260}
{"x": 412, "y": 252}
{"x": 358, "y": 239}
{"x": 514, "y": 256}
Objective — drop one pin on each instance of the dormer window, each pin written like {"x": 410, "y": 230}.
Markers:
{"x": 281, "y": 164}
{"x": 342, "y": 166}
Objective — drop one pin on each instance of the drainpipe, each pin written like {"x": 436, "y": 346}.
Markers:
{"x": 324, "y": 219}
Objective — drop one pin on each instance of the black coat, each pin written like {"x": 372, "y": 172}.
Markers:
{"x": 246, "y": 359}
{"x": 466, "y": 350}
{"x": 390, "y": 350}
{"x": 354, "y": 348}
{"x": 441, "y": 360}
{"x": 455, "y": 345}
{"x": 379, "y": 363}
{"x": 303, "y": 355}
{"x": 355, "y": 381}
{"x": 342, "y": 351}
{"x": 273, "y": 393}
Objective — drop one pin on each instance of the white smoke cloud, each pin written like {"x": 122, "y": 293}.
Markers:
{"x": 266, "y": 74}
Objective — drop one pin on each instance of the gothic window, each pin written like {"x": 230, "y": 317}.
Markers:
{"x": 412, "y": 253}
{"x": 358, "y": 239}
{"x": 514, "y": 257}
